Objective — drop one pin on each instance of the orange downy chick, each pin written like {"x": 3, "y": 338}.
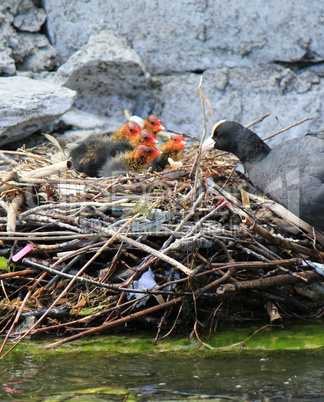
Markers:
{"x": 153, "y": 124}
{"x": 173, "y": 148}
{"x": 127, "y": 132}
{"x": 144, "y": 137}
{"x": 136, "y": 160}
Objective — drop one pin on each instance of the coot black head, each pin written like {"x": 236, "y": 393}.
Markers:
{"x": 232, "y": 137}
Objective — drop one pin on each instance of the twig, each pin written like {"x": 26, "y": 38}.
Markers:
{"x": 287, "y": 128}
{"x": 72, "y": 205}
{"x": 258, "y": 120}
{"x": 54, "y": 221}
{"x": 32, "y": 236}
{"x": 12, "y": 209}
{"x": 195, "y": 166}
{"x": 16, "y": 274}
{"x": 264, "y": 283}
{"x": 282, "y": 243}
{"x": 245, "y": 340}
{"x": 28, "y": 294}
{"x": 120, "y": 321}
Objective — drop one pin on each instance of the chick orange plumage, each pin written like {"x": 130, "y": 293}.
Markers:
{"x": 144, "y": 137}
{"x": 153, "y": 124}
{"x": 173, "y": 148}
{"x": 136, "y": 160}
{"x": 91, "y": 154}
{"x": 126, "y": 133}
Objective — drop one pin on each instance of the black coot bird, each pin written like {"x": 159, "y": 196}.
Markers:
{"x": 291, "y": 173}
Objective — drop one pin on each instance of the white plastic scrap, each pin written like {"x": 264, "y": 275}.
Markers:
{"x": 137, "y": 120}
{"x": 319, "y": 268}
{"x": 145, "y": 282}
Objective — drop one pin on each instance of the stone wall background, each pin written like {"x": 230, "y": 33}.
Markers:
{"x": 148, "y": 56}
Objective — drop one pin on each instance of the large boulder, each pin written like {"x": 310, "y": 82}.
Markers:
{"x": 256, "y": 57}
{"x": 243, "y": 94}
{"x": 26, "y": 105}
{"x": 107, "y": 74}
{"x": 184, "y": 36}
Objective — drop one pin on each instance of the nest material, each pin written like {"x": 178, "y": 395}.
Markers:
{"x": 218, "y": 252}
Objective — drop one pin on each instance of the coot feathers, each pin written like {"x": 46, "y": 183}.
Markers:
{"x": 291, "y": 173}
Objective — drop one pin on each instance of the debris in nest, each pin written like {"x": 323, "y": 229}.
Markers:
{"x": 209, "y": 242}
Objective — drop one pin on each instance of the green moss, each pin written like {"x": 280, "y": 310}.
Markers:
{"x": 290, "y": 337}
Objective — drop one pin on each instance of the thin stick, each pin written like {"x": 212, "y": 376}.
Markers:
{"x": 112, "y": 324}
{"x": 71, "y": 205}
{"x": 287, "y": 128}
{"x": 195, "y": 165}
{"x": 258, "y": 120}
{"x": 18, "y": 315}
{"x": 245, "y": 340}
{"x": 17, "y": 274}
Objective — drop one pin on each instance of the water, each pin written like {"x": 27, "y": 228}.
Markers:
{"x": 105, "y": 369}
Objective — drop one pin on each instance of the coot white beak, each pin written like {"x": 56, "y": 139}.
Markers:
{"x": 210, "y": 142}
{"x": 207, "y": 145}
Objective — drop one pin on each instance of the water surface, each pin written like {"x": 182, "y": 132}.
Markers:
{"x": 127, "y": 368}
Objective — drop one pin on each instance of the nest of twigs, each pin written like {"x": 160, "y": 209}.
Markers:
{"x": 74, "y": 250}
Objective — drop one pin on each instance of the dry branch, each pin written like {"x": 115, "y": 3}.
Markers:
{"x": 47, "y": 170}
{"x": 264, "y": 283}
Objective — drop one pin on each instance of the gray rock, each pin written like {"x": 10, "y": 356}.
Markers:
{"x": 33, "y": 52}
{"x": 29, "y": 18}
{"x": 76, "y": 119}
{"x": 242, "y": 94}
{"x": 82, "y": 120}
{"x": 255, "y": 58}
{"x": 7, "y": 64}
{"x": 190, "y": 36}
{"x": 20, "y": 50}
{"x": 26, "y": 105}
{"x": 10, "y": 6}
{"x": 107, "y": 74}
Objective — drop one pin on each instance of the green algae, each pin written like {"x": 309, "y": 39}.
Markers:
{"x": 303, "y": 336}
